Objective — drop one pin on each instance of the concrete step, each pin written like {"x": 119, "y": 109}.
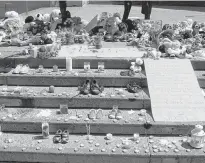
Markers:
{"x": 201, "y": 78}
{"x": 38, "y": 97}
{"x": 78, "y": 62}
{"x": 109, "y": 78}
{"x": 32, "y": 148}
{"x": 28, "y": 120}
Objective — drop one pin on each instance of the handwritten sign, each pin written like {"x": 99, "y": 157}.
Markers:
{"x": 174, "y": 91}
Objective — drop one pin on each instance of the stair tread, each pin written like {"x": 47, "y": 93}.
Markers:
{"x": 175, "y": 146}
{"x": 38, "y": 115}
{"x": 111, "y": 73}
{"x": 73, "y": 92}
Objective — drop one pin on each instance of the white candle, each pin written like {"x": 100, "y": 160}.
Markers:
{"x": 69, "y": 64}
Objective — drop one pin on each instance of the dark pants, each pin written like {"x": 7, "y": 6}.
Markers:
{"x": 63, "y": 5}
{"x": 127, "y": 8}
{"x": 146, "y": 9}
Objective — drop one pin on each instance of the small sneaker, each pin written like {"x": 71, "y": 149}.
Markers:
{"x": 92, "y": 114}
{"x": 133, "y": 88}
{"x": 57, "y": 137}
{"x": 25, "y": 69}
{"x": 118, "y": 115}
{"x": 99, "y": 114}
{"x": 95, "y": 88}
{"x": 112, "y": 114}
{"x": 17, "y": 69}
{"x": 65, "y": 137}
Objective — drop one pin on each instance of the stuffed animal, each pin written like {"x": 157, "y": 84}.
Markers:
{"x": 174, "y": 50}
{"x": 46, "y": 18}
{"x": 55, "y": 19}
{"x": 39, "y": 17}
{"x": 29, "y": 22}
{"x": 196, "y": 28}
{"x": 111, "y": 26}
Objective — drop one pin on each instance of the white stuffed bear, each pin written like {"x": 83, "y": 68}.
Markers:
{"x": 55, "y": 19}
{"x": 137, "y": 66}
{"x": 175, "y": 50}
{"x": 39, "y": 17}
{"x": 46, "y": 18}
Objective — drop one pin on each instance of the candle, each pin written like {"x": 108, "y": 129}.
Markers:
{"x": 55, "y": 68}
{"x": 45, "y": 130}
{"x": 101, "y": 66}
{"x": 69, "y": 65}
{"x": 86, "y": 66}
{"x": 33, "y": 51}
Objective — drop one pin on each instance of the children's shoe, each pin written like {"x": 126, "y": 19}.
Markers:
{"x": 133, "y": 88}
{"x": 65, "y": 137}
{"x": 85, "y": 89}
{"x": 57, "y": 137}
{"x": 92, "y": 114}
{"x": 118, "y": 115}
{"x": 25, "y": 69}
{"x": 95, "y": 88}
{"x": 112, "y": 114}
{"x": 17, "y": 69}
{"x": 99, "y": 114}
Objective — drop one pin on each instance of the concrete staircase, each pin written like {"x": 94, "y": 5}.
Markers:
{"x": 21, "y": 119}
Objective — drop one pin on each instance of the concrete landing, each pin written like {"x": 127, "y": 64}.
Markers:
{"x": 174, "y": 91}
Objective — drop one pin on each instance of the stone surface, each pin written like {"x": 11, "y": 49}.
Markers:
{"x": 174, "y": 91}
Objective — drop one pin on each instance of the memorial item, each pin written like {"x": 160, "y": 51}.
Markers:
{"x": 17, "y": 69}
{"x": 69, "y": 64}
{"x": 92, "y": 114}
{"x": 95, "y": 89}
{"x": 136, "y": 136}
{"x": 101, "y": 66}
{"x": 85, "y": 88}
{"x": 51, "y": 89}
{"x": 86, "y": 66}
{"x": 197, "y": 137}
{"x": 113, "y": 112}
{"x": 33, "y": 51}
{"x": 98, "y": 41}
{"x": 99, "y": 114}
{"x": 40, "y": 69}
{"x": 133, "y": 87}
{"x": 65, "y": 137}
{"x": 55, "y": 68}
{"x": 45, "y": 130}
{"x": 57, "y": 138}
{"x": 109, "y": 136}
{"x": 25, "y": 69}
{"x": 63, "y": 109}
{"x": 143, "y": 112}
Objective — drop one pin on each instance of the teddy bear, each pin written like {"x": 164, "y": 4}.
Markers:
{"x": 196, "y": 28}
{"x": 136, "y": 66}
{"x": 174, "y": 50}
{"x": 111, "y": 26}
{"x": 29, "y": 22}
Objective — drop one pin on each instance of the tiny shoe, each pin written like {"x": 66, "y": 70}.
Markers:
{"x": 118, "y": 115}
{"x": 65, "y": 137}
{"x": 85, "y": 89}
{"x": 112, "y": 114}
{"x": 25, "y": 69}
{"x": 17, "y": 69}
{"x": 133, "y": 88}
{"x": 95, "y": 88}
{"x": 92, "y": 114}
{"x": 99, "y": 114}
{"x": 57, "y": 137}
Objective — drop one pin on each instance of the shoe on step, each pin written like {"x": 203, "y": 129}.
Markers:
{"x": 17, "y": 69}
{"x": 57, "y": 137}
{"x": 25, "y": 69}
{"x": 65, "y": 137}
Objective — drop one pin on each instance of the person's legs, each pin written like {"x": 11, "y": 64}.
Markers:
{"x": 63, "y": 5}
{"x": 146, "y": 9}
{"x": 127, "y": 8}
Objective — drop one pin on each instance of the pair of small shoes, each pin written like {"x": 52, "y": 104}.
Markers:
{"x": 95, "y": 114}
{"x": 133, "y": 88}
{"x": 90, "y": 87}
{"x": 61, "y": 137}
{"x": 20, "y": 69}
{"x": 128, "y": 73}
{"x": 115, "y": 114}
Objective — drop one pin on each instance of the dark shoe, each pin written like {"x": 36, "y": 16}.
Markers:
{"x": 119, "y": 115}
{"x": 65, "y": 137}
{"x": 133, "y": 88}
{"x": 127, "y": 73}
{"x": 57, "y": 137}
{"x": 95, "y": 88}
{"x": 92, "y": 114}
{"x": 85, "y": 89}
{"x": 112, "y": 114}
{"x": 108, "y": 38}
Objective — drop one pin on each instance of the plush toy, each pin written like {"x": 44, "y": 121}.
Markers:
{"x": 55, "y": 19}
{"x": 196, "y": 28}
{"x": 111, "y": 26}
{"x": 166, "y": 26}
{"x": 46, "y": 18}
{"x": 39, "y": 17}
{"x": 117, "y": 17}
{"x": 29, "y": 22}
{"x": 103, "y": 18}
{"x": 174, "y": 50}
{"x": 131, "y": 25}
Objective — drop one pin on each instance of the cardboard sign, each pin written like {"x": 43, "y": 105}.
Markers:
{"x": 155, "y": 24}
{"x": 174, "y": 91}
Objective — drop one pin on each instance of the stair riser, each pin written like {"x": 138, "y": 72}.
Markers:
{"x": 75, "y": 102}
{"x": 68, "y": 81}
{"x": 78, "y": 63}
{"x": 97, "y": 128}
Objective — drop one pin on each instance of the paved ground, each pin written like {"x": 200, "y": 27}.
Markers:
{"x": 168, "y": 14}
